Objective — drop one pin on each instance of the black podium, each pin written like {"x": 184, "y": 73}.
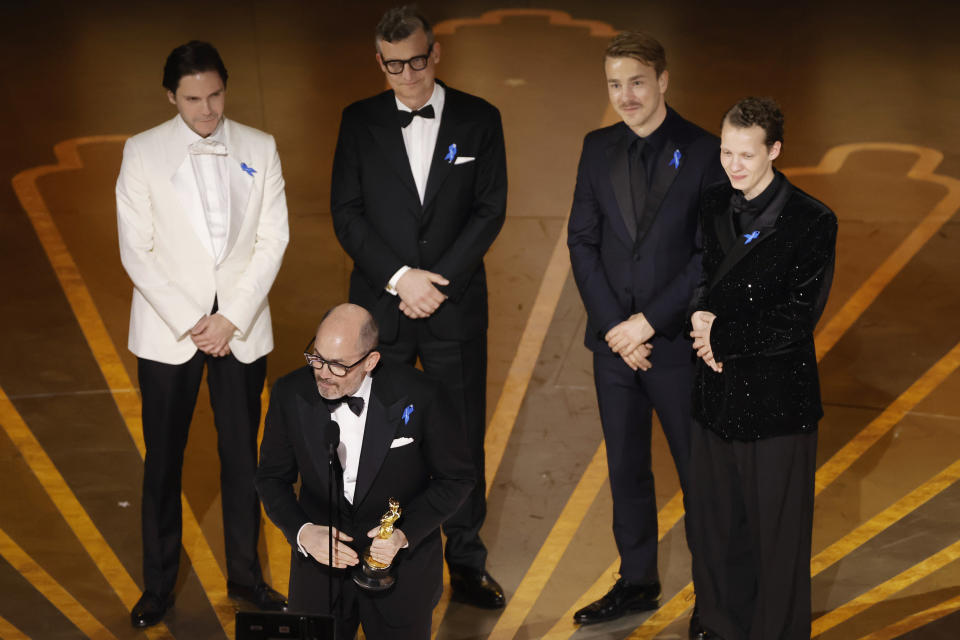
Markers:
{"x": 279, "y": 626}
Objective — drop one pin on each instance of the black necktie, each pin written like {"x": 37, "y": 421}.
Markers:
{"x": 406, "y": 117}
{"x": 638, "y": 179}
{"x": 354, "y": 402}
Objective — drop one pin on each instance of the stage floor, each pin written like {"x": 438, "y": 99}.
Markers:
{"x": 872, "y": 102}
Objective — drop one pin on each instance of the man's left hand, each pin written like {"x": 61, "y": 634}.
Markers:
{"x": 212, "y": 335}
{"x": 629, "y": 334}
{"x": 385, "y": 549}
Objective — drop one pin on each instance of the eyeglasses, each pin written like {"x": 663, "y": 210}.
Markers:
{"x": 336, "y": 368}
{"x": 417, "y": 63}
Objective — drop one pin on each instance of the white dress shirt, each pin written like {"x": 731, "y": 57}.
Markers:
{"x": 211, "y": 183}
{"x": 351, "y": 441}
{"x": 420, "y": 141}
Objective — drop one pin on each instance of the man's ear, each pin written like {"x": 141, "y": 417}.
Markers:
{"x": 171, "y": 97}
{"x": 774, "y": 151}
{"x": 371, "y": 362}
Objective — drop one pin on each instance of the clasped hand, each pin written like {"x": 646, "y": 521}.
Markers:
{"x": 631, "y": 341}
{"x": 315, "y": 540}
{"x": 419, "y": 297}
{"x": 702, "y": 322}
{"x": 212, "y": 335}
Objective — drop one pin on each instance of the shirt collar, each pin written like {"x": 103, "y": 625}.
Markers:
{"x": 655, "y": 140}
{"x": 437, "y": 98}
{"x": 188, "y": 136}
{"x": 364, "y": 390}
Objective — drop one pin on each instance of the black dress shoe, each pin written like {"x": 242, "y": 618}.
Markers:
{"x": 260, "y": 596}
{"x": 622, "y": 599}
{"x": 475, "y": 587}
{"x": 149, "y": 610}
{"x": 697, "y": 631}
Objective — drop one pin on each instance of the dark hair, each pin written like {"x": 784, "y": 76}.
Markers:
{"x": 188, "y": 59}
{"x": 639, "y": 46}
{"x": 762, "y": 112}
{"x": 400, "y": 23}
{"x": 369, "y": 334}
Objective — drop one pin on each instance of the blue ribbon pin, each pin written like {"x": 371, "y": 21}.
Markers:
{"x": 676, "y": 159}
{"x": 451, "y": 153}
{"x": 750, "y": 237}
{"x": 249, "y": 170}
{"x": 407, "y": 413}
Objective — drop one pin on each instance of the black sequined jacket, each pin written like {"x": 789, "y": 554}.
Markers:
{"x": 767, "y": 292}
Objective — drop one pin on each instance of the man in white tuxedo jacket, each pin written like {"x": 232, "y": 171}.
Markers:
{"x": 202, "y": 221}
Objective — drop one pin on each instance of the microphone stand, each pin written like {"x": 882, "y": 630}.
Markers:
{"x": 333, "y": 440}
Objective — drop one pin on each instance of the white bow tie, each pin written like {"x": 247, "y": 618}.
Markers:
{"x": 208, "y": 147}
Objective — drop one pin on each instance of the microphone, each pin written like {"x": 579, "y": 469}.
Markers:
{"x": 332, "y": 439}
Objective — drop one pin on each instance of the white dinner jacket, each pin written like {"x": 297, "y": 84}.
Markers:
{"x": 167, "y": 251}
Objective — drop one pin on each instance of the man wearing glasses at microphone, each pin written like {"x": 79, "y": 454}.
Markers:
{"x": 399, "y": 437}
{"x": 418, "y": 195}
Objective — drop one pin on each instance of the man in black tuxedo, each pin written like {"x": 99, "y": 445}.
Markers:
{"x": 633, "y": 247}
{"x": 418, "y": 196}
{"x": 768, "y": 257}
{"x": 399, "y": 438}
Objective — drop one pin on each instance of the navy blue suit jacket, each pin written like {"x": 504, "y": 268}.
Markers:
{"x": 623, "y": 266}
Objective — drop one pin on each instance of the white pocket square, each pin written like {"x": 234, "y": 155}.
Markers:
{"x": 399, "y": 442}
{"x": 463, "y": 159}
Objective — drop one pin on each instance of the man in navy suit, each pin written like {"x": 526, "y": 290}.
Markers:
{"x": 633, "y": 245}
{"x": 418, "y": 195}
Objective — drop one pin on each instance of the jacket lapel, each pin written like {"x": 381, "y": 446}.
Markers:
{"x": 241, "y": 184}
{"x": 620, "y": 179}
{"x": 764, "y": 227}
{"x": 450, "y": 120}
{"x": 378, "y": 433}
{"x": 386, "y": 132}
{"x": 187, "y": 193}
{"x": 665, "y": 169}
{"x": 314, "y": 418}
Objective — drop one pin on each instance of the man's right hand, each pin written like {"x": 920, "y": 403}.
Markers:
{"x": 419, "y": 297}
{"x": 315, "y": 539}
{"x": 638, "y": 359}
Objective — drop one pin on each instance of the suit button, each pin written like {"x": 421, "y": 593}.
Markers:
{"x": 423, "y": 242}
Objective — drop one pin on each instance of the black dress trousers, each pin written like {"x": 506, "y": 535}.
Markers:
{"x": 169, "y": 395}
{"x": 460, "y": 366}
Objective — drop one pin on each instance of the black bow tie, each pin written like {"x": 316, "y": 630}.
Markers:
{"x": 740, "y": 204}
{"x": 354, "y": 402}
{"x": 406, "y": 117}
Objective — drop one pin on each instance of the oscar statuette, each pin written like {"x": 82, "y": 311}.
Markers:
{"x": 371, "y": 574}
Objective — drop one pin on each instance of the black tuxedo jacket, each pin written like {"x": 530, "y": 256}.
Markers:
{"x": 382, "y": 225}
{"x": 430, "y": 477}
{"x": 622, "y": 267}
{"x": 768, "y": 294}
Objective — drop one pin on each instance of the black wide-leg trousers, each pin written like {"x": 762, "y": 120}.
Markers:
{"x": 750, "y": 512}
{"x": 169, "y": 395}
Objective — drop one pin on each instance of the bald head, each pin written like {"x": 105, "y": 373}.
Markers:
{"x": 350, "y": 323}
{"x": 347, "y": 335}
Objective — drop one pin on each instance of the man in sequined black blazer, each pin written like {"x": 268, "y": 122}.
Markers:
{"x": 768, "y": 256}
